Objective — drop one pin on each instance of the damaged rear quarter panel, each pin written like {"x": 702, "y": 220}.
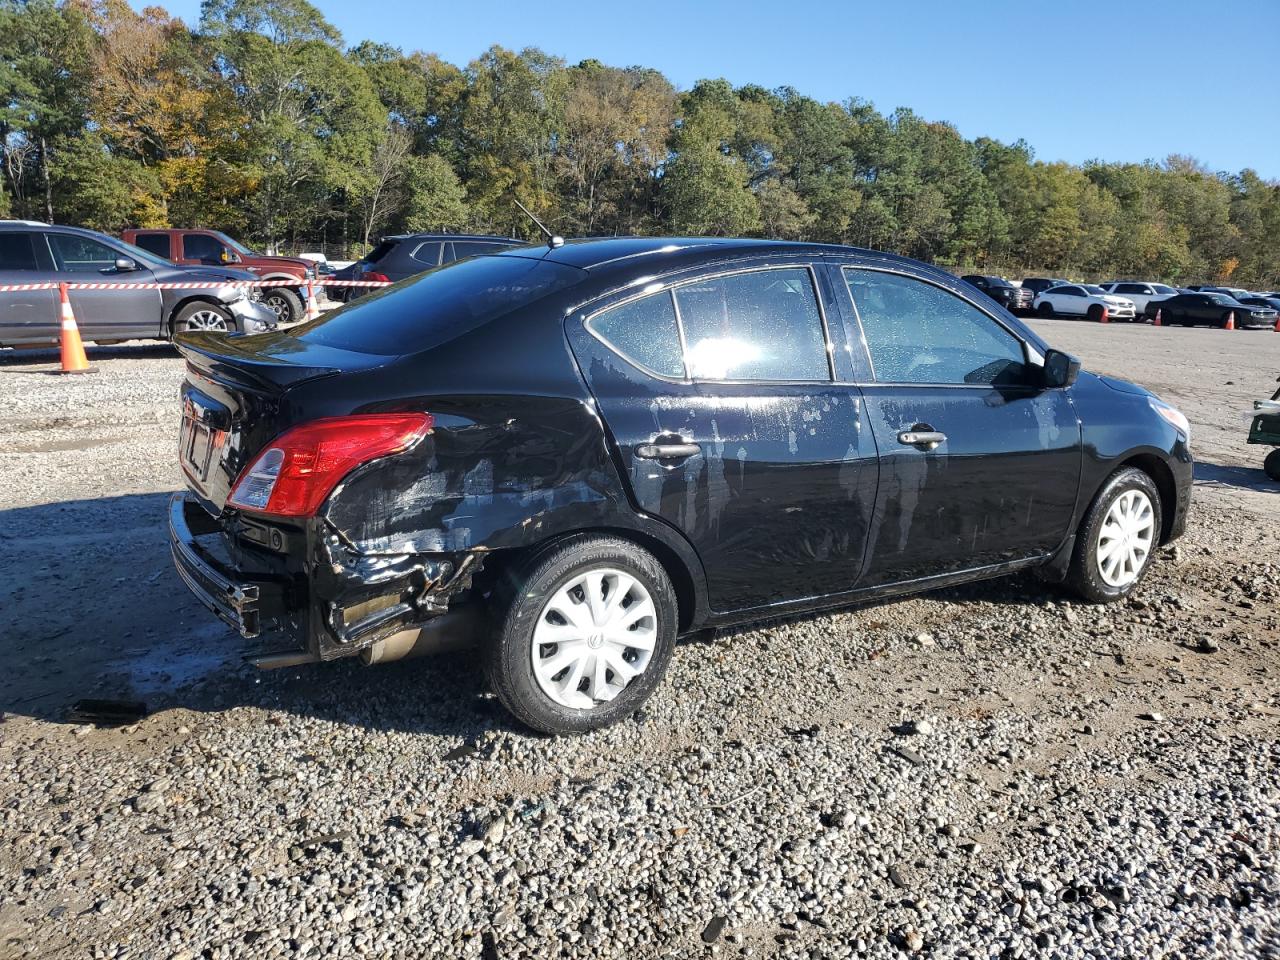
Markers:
{"x": 496, "y": 472}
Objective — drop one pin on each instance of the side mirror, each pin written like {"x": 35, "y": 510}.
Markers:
{"x": 1060, "y": 369}
{"x": 230, "y": 257}
{"x": 125, "y": 265}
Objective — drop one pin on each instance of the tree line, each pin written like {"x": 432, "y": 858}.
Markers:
{"x": 261, "y": 122}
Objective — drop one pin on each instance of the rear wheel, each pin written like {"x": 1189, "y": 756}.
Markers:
{"x": 586, "y": 632}
{"x": 202, "y": 315}
{"x": 284, "y": 303}
{"x": 1045, "y": 309}
{"x": 1117, "y": 538}
{"x": 1272, "y": 464}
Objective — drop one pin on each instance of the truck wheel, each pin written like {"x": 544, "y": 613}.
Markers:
{"x": 1119, "y": 534}
{"x": 284, "y": 303}
{"x": 1272, "y": 464}
{"x": 203, "y": 315}
{"x": 585, "y": 632}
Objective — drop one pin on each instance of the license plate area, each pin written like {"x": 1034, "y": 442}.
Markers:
{"x": 200, "y": 440}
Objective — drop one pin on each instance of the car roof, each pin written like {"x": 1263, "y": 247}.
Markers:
{"x": 601, "y": 255}
{"x": 451, "y": 236}
{"x": 10, "y": 225}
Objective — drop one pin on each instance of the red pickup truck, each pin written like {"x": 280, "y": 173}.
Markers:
{"x": 214, "y": 248}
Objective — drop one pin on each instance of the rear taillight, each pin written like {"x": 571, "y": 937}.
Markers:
{"x": 294, "y": 475}
{"x": 375, "y": 277}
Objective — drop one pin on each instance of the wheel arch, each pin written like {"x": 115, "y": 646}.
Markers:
{"x": 186, "y": 301}
{"x": 1162, "y": 476}
{"x": 691, "y": 610}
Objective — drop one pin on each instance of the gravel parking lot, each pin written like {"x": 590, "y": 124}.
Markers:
{"x": 988, "y": 771}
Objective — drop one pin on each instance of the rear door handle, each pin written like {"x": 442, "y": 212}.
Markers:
{"x": 926, "y": 439}
{"x": 667, "y": 451}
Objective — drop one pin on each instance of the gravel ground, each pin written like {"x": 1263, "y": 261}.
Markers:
{"x": 989, "y": 771}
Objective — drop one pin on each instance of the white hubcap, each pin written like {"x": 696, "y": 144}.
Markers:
{"x": 595, "y": 635}
{"x": 1124, "y": 542}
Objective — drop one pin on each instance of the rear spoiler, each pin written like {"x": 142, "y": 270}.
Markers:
{"x": 229, "y": 357}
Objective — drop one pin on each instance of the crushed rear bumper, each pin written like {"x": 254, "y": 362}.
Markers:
{"x": 236, "y": 601}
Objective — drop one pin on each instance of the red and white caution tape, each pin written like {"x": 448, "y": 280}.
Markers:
{"x": 188, "y": 285}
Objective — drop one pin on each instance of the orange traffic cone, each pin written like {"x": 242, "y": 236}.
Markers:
{"x": 1157, "y": 322}
{"x": 1104, "y": 318}
{"x": 1231, "y": 321}
{"x": 1277, "y": 324}
{"x": 313, "y": 309}
{"x": 73, "y": 357}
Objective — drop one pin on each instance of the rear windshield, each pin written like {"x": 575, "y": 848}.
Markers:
{"x": 380, "y": 251}
{"x": 431, "y": 308}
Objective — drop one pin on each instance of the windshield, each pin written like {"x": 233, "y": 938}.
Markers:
{"x": 1094, "y": 289}
{"x": 1221, "y": 298}
{"x": 1161, "y": 288}
{"x": 431, "y": 308}
{"x": 235, "y": 245}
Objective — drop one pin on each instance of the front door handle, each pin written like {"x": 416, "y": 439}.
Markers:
{"x": 924, "y": 439}
{"x": 667, "y": 451}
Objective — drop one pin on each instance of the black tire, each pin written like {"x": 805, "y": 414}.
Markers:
{"x": 1272, "y": 465}
{"x": 521, "y": 598}
{"x": 1083, "y": 576}
{"x": 1045, "y": 309}
{"x": 196, "y": 316}
{"x": 286, "y": 304}
{"x": 1095, "y": 312}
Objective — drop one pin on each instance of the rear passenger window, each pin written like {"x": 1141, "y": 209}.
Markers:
{"x": 427, "y": 253}
{"x": 763, "y": 325}
{"x": 643, "y": 332}
{"x": 17, "y": 252}
{"x": 919, "y": 333}
{"x": 157, "y": 243}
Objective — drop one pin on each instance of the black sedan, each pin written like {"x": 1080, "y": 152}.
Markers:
{"x": 604, "y": 445}
{"x": 1211, "y": 309}
{"x": 1014, "y": 299}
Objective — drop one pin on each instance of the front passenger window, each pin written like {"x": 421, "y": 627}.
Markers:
{"x": 919, "y": 333}
{"x": 76, "y": 254}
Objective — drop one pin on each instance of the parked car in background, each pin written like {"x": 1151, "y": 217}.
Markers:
{"x": 1212, "y": 309}
{"x": 610, "y": 443}
{"x": 1014, "y": 299}
{"x": 397, "y": 257}
{"x": 1141, "y": 293}
{"x": 1233, "y": 292}
{"x": 1269, "y": 301}
{"x": 1083, "y": 300}
{"x": 211, "y": 247}
{"x": 41, "y": 253}
{"x": 1038, "y": 285}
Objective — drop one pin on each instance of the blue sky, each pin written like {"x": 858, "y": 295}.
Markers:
{"x": 1119, "y": 80}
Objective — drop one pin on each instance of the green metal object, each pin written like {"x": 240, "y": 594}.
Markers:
{"x": 1266, "y": 423}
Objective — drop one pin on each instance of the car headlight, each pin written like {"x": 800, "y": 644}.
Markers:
{"x": 231, "y": 294}
{"x": 1173, "y": 416}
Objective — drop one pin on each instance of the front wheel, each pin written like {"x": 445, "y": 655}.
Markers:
{"x": 284, "y": 303}
{"x": 1045, "y": 309}
{"x": 586, "y": 632}
{"x": 1095, "y": 312}
{"x": 203, "y": 315}
{"x": 1272, "y": 465}
{"x": 1117, "y": 538}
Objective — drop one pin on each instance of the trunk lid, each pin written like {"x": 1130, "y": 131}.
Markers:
{"x": 235, "y": 401}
